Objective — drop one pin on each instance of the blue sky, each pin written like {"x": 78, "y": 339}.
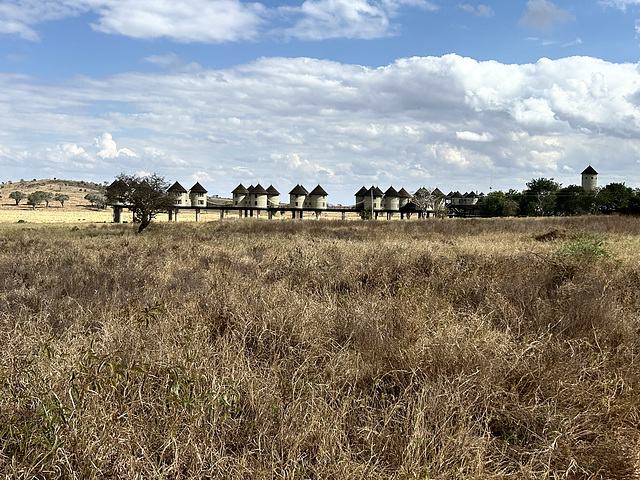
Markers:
{"x": 459, "y": 95}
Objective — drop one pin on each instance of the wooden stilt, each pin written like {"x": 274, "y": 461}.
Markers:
{"x": 117, "y": 214}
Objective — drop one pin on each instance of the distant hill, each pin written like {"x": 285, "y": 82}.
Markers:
{"x": 76, "y": 189}
{"x": 35, "y": 184}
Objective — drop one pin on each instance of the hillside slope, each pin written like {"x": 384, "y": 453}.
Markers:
{"x": 76, "y": 209}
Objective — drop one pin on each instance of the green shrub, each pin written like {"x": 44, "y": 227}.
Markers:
{"x": 587, "y": 246}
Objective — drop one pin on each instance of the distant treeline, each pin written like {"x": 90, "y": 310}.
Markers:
{"x": 545, "y": 197}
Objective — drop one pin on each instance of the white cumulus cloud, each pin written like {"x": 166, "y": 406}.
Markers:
{"x": 109, "y": 149}
{"x": 474, "y": 137}
{"x": 210, "y": 21}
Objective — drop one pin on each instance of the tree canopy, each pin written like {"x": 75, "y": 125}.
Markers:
{"x": 97, "y": 200}
{"x": 539, "y": 197}
{"x": 17, "y": 196}
{"x": 36, "y": 198}
{"x": 61, "y": 197}
{"x": 574, "y": 200}
{"x": 145, "y": 196}
{"x": 498, "y": 204}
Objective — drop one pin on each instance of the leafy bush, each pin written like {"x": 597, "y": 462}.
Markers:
{"x": 587, "y": 246}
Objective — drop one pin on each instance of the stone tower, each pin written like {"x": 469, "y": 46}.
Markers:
{"x": 589, "y": 178}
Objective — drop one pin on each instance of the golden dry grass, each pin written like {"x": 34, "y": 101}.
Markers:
{"x": 245, "y": 349}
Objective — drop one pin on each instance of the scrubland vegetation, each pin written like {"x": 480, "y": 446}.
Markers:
{"x": 439, "y": 349}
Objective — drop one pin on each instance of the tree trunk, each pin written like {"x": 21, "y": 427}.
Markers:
{"x": 145, "y": 220}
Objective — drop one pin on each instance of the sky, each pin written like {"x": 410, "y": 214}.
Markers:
{"x": 343, "y": 93}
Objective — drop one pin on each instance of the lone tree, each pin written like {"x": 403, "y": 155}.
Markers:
{"x": 430, "y": 200}
{"x": 145, "y": 196}
{"x": 36, "y": 198}
{"x": 61, "y": 197}
{"x": 17, "y": 196}
{"x": 47, "y": 197}
{"x": 97, "y": 200}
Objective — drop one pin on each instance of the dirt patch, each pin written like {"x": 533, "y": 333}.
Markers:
{"x": 555, "y": 234}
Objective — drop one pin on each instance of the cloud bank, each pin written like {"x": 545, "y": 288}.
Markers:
{"x": 448, "y": 121}
{"x": 213, "y": 21}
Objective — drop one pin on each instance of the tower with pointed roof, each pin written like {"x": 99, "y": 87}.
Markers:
{"x": 273, "y": 196}
{"x": 392, "y": 199}
{"x": 239, "y": 195}
{"x": 360, "y": 198}
{"x": 374, "y": 194}
{"x": 258, "y": 197}
{"x": 198, "y": 195}
{"x": 405, "y": 197}
{"x": 318, "y": 198}
{"x": 589, "y": 178}
{"x": 181, "y": 195}
{"x": 298, "y": 196}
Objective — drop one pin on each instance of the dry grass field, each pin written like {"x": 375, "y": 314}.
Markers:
{"x": 441, "y": 349}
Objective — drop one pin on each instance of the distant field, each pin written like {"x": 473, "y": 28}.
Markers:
{"x": 84, "y": 213}
{"x": 443, "y": 349}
